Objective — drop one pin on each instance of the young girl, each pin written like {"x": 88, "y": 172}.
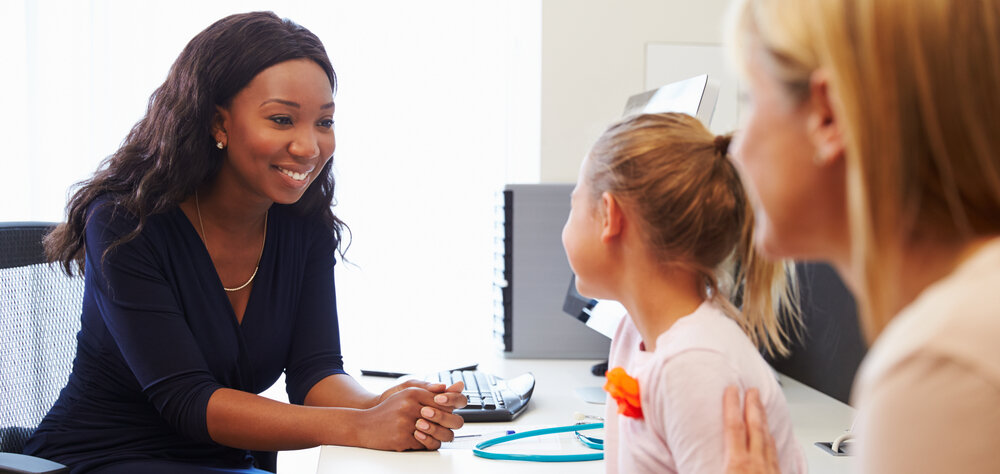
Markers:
{"x": 661, "y": 223}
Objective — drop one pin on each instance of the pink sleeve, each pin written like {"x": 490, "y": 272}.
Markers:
{"x": 682, "y": 403}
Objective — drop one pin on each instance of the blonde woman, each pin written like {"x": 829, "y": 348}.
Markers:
{"x": 659, "y": 222}
{"x": 872, "y": 142}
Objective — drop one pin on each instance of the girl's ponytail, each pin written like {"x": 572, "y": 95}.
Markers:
{"x": 696, "y": 215}
{"x": 764, "y": 290}
{"x": 770, "y": 312}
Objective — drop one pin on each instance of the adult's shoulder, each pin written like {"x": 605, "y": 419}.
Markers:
{"x": 107, "y": 209}
{"x": 108, "y": 215}
{"x": 929, "y": 414}
{"x": 956, "y": 319}
{"x": 308, "y": 232}
{"x": 109, "y": 219}
{"x": 305, "y": 225}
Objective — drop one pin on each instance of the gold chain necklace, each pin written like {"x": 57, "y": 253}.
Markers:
{"x": 204, "y": 237}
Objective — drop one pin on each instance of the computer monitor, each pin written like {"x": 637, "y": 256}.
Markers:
{"x": 602, "y": 316}
{"x": 694, "y": 96}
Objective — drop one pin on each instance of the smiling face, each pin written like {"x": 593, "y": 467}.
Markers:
{"x": 278, "y": 131}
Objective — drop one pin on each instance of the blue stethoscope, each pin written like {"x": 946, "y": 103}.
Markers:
{"x": 588, "y": 441}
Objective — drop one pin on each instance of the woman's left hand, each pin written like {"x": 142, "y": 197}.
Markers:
{"x": 437, "y": 424}
{"x": 750, "y": 449}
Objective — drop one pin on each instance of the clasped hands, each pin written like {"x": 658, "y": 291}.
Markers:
{"x": 416, "y": 415}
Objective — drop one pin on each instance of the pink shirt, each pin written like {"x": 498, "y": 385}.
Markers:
{"x": 680, "y": 387}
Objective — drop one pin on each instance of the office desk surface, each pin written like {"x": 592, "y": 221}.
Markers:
{"x": 816, "y": 417}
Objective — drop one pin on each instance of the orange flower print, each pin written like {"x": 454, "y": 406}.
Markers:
{"x": 625, "y": 390}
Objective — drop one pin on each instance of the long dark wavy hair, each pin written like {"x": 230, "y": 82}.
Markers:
{"x": 170, "y": 152}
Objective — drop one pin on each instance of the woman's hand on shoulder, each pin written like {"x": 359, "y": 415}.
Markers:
{"x": 750, "y": 448}
{"x": 414, "y": 415}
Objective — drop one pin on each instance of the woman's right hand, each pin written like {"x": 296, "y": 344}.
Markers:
{"x": 750, "y": 448}
{"x": 409, "y": 419}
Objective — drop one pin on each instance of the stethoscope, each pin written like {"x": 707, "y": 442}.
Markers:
{"x": 588, "y": 441}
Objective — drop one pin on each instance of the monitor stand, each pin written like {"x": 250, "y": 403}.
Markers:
{"x": 595, "y": 395}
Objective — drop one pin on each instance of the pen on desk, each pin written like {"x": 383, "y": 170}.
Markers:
{"x": 382, "y": 373}
{"x": 487, "y": 435}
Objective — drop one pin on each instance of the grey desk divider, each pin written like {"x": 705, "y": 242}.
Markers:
{"x": 532, "y": 276}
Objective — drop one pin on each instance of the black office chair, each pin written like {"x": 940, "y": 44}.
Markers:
{"x": 39, "y": 316}
{"x": 828, "y": 357}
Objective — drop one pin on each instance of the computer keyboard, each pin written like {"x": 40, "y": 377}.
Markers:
{"x": 490, "y": 398}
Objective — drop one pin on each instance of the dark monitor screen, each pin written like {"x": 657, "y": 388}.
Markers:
{"x": 602, "y": 316}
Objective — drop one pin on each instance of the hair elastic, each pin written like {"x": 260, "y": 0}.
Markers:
{"x": 722, "y": 144}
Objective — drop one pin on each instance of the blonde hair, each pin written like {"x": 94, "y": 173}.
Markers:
{"x": 917, "y": 85}
{"x": 695, "y": 215}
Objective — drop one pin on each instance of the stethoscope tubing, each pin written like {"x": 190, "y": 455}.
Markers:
{"x": 593, "y": 444}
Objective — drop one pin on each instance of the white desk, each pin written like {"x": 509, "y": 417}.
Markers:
{"x": 816, "y": 417}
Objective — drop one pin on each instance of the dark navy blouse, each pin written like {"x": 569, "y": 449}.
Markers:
{"x": 159, "y": 336}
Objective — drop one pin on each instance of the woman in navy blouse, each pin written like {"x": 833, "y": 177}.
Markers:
{"x": 208, "y": 243}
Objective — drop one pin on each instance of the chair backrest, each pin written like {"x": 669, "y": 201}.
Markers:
{"x": 39, "y": 318}
{"x": 831, "y": 351}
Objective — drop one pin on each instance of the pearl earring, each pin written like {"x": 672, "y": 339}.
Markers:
{"x": 219, "y": 145}
{"x": 820, "y": 158}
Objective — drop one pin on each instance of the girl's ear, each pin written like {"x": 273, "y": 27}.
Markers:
{"x": 822, "y": 123}
{"x": 612, "y": 218}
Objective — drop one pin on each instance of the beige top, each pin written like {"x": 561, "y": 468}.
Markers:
{"x": 928, "y": 393}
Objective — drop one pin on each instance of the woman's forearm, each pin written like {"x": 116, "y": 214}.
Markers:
{"x": 247, "y": 421}
{"x": 340, "y": 390}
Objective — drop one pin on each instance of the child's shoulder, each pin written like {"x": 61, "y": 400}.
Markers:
{"x": 708, "y": 328}
{"x": 711, "y": 347}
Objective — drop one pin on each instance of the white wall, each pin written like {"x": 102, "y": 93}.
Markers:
{"x": 593, "y": 59}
